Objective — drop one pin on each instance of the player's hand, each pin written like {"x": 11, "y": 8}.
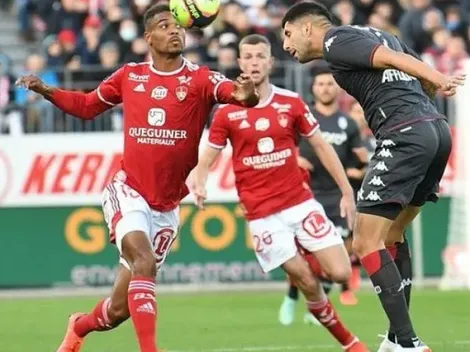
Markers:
{"x": 200, "y": 195}
{"x": 32, "y": 83}
{"x": 304, "y": 163}
{"x": 449, "y": 86}
{"x": 348, "y": 209}
{"x": 245, "y": 91}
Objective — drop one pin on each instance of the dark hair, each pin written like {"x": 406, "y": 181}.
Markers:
{"x": 254, "y": 39}
{"x": 154, "y": 10}
{"x": 306, "y": 8}
{"x": 321, "y": 69}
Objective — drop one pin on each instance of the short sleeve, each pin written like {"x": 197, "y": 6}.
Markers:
{"x": 306, "y": 123}
{"x": 215, "y": 86}
{"x": 355, "y": 136}
{"x": 348, "y": 48}
{"x": 218, "y": 132}
{"x": 110, "y": 90}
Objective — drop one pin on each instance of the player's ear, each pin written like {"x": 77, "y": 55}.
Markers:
{"x": 307, "y": 29}
{"x": 148, "y": 38}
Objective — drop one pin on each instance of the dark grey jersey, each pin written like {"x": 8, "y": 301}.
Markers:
{"x": 342, "y": 133}
{"x": 390, "y": 98}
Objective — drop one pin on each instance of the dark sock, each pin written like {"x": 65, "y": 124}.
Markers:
{"x": 293, "y": 292}
{"x": 387, "y": 283}
{"x": 327, "y": 285}
{"x": 344, "y": 287}
{"x": 402, "y": 257}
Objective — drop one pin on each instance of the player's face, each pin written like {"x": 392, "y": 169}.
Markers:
{"x": 164, "y": 35}
{"x": 325, "y": 89}
{"x": 256, "y": 61}
{"x": 297, "y": 41}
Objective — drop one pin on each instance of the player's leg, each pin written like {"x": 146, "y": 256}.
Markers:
{"x": 107, "y": 314}
{"x": 286, "y": 314}
{"x": 397, "y": 246}
{"x": 318, "y": 303}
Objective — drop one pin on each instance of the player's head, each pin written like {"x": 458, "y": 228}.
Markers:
{"x": 305, "y": 24}
{"x": 324, "y": 87}
{"x": 162, "y": 33}
{"x": 255, "y": 58}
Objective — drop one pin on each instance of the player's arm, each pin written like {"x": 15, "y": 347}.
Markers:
{"x": 217, "y": 140}
{"x": 218, "y": 88}
{"x": 82, "y": 105}
{"x": 349, "y": 50}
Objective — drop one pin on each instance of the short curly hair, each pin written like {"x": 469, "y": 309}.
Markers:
{"x": 306, "y": 8}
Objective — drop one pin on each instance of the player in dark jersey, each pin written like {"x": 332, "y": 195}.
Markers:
{"x": 342, "y": 133}
{"x": 413, "y": 145}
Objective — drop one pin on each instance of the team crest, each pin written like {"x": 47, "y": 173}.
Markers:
{"x": 181, "y": 92}
{"x": 283, "y": 120}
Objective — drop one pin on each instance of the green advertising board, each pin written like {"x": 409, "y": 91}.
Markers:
{"x": 43, "y": 247}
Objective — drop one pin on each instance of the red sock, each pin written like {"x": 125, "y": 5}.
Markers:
{"x": 326, "y": 315}
{"x": 142, "y": 306}
{"x": 96, "y": 320}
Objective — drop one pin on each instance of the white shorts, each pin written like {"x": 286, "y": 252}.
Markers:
{"x": 274, "y": 237}
{"x": 125, "y": 210}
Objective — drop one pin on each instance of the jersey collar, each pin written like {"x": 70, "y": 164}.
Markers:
{"x": 171, "y": 73}
{"x": 267, "y": 101}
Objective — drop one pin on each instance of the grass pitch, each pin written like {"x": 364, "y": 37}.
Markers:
{"x": 233, "y": 322}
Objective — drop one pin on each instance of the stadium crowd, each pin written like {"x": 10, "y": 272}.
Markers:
{"x": 80, "y": 42}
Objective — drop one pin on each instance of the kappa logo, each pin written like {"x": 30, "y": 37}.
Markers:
{"x": 329, "y": 42}
{"x": 385, "y": 153}
{"x": 388, "y": 143}
{"x": 342, "y": 122}
{"x": 381, "y": 166}
{"x": 360, "y": 194}
{"x": 159, "y": 93}
{"x": 373, "y": 196}
{"x": 376, "y": 181}
{"x": 404, "y": 283}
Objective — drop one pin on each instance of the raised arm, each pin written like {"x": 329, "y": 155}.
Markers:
{"x": 388, "y": 58}
{"x": 218, "y": 88}
{"x": 85, "y": 106}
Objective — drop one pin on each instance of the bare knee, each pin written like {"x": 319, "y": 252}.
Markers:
{"x": 144, "y": 264}
{"x": 118, "y": 312}
{"x": 369, "y": 234}
{"x": 340, "y": 274}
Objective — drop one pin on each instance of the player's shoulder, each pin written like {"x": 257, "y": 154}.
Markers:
{"x": 345, "y": 31}
{"x": 231, "y": 112}
{"x": 135, "y": 71}
{"x": 286, "y": 96}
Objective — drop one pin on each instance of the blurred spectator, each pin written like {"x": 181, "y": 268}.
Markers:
{"x": 88, "y": 43}
{"x": 10, "y": 118}
{"x": 345, "y": 12}
{"x": 67, "y": 15}
{"x": 68, "y": 41}
{"x": 439, "y": 41}
{"x": 139, "y": 51}
{"x": 227, "y": 61}
{"x": 39, "y": 111}
{"x": 412, "y": 25}
{"x": 451, "y": 62}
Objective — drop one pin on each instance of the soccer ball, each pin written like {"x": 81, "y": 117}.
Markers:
{"x": 194, "y": 13}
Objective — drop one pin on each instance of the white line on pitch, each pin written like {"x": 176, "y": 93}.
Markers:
{"x": 294, "y": 348}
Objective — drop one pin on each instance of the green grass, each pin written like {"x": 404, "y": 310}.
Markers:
{"x": 233, "y": 322}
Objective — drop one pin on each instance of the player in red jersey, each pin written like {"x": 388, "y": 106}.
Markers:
{"x": 166, "y": 105}
{"x": 279, "y": 205}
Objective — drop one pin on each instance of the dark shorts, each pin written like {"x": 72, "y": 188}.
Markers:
{"x": 406, "y": 168}
{"x": 330, "y": 202}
